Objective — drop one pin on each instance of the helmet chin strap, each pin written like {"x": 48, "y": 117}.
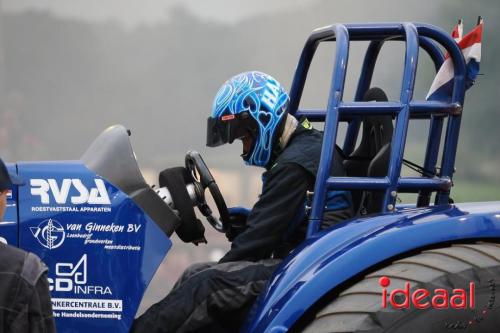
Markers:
{"x": 291, "y": 124}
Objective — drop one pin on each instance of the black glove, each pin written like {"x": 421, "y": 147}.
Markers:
{"x": 237, "y": 222}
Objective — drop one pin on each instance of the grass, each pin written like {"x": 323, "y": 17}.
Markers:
{"x": 465, "y": 191}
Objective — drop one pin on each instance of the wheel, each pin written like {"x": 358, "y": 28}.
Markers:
{"x": 359, "y": 307}
{"x": 203, "y": 179}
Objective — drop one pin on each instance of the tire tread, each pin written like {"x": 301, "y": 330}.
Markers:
{"x": 354, "y": 311}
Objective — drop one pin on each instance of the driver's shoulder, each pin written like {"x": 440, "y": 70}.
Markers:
{"x": 304, "y": 150}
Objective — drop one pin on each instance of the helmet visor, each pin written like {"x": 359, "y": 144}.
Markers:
{"x": 224, "y": 130}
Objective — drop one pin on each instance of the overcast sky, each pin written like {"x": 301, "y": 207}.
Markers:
{"x": 134, "y": 12}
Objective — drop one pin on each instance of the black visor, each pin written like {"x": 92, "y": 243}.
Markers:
{"x": 226, "y": 129}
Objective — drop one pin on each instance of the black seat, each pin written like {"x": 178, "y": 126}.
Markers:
{"x": 371, "y": 157}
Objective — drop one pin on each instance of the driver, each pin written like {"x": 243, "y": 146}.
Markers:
{"x": 251, "y": 107}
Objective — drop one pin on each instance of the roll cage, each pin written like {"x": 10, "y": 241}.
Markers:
{"x": 416, "y": 36}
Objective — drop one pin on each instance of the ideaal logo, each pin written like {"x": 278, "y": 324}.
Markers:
{"x": 440, "y": 298}
{"x": 49, "y": 233}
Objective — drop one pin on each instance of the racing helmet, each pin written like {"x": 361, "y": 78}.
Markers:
{"x": 251, "y": 103}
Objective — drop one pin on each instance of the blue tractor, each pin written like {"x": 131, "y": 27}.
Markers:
{"x": 426, "y": 267}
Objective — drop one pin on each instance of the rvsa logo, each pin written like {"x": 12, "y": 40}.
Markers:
{"x": 51, "y": 189}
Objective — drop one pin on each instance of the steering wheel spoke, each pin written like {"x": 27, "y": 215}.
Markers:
{"x": 203, "y": 179}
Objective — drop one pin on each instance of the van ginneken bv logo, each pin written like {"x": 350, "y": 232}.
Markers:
{"x": 49, "y": 233}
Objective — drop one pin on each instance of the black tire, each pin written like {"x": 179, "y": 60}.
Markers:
{"x": 359, "y": 309}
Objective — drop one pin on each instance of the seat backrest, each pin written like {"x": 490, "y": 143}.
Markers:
{"x": 371, "y": 201}
{"x": 376, "y": 136}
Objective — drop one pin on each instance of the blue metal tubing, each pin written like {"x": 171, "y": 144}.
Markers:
{"x": 369, "y": 62}
{"x": 418, "y": 110}
{"x": 415, "y": 184}
{"x": 436, "y": 124}
{"x": 363, "y": 32}
{"x": 364, "y": 83}
{"x": 401, "y": 129}
{"x": 342, "y": 33}
{"x": 433, "y": 51}
{"x": 358, "y": 32}
{"x": 453, "y": 128}
{"x": 300, "y": 76}
{"x": 358, "y": 183}
{"x": 431, "y": 156}
{"x": 331, "y": 124}
{"x": 407, "y": 184}
{"x": 366, "y": 77}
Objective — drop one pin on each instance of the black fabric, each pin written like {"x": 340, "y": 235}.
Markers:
{"x": 283, "y": 197}
{"x": 377, "y": 133}
{"x": 190, "y": 229}
{"x": 372, "y": 200}
{"x": 6, "y": 179}
{"x": 237, "y": 224}
{"x": 25, "y": 304}
{"x": 216, "y": 298}
{"x": 208, "y": 294}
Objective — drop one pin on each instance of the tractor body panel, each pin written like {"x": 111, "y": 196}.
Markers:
{"x": 334, "y": 256}
{"x": 101, "y": 249}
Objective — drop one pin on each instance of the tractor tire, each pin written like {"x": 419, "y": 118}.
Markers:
{"x": 359, "y": 307}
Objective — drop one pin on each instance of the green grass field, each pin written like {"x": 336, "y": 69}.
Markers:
{"x": 465, "y": 191}
{"x": 469, "y": 191}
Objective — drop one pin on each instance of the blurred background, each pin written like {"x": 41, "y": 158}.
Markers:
{"x": 71, "y": 68}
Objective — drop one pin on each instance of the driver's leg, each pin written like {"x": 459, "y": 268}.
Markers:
{"x": 192, "y": 270}
{"x": 205, "y": 296}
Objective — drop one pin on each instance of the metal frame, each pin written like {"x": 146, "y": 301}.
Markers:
{"x": 415, "y": 35}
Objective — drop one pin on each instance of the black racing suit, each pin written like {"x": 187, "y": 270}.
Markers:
{"x": 217, "y": 296}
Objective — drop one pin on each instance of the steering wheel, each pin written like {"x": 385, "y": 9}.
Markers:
{"x": 203, "y": 179}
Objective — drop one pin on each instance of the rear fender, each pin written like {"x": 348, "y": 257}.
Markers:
{"x": 333, "y": 256}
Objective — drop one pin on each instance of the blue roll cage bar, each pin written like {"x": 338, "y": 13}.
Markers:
{"x": 415, "y": 35}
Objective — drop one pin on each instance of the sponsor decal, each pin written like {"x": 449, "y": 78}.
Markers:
{"x": 69, "y": 274}
{"x": 49, "y": 189}
{"x": 84, "y": 304}
{"x": 90, "y": 301}
{"x": 71, "y": 195}
{"x": 49, "y": 233}
{"x": 479, "y": 315}
{"x": 54, "y": 195}
{"x": 73, "y": 278}
{"x": 440, "y": 299}
{"x": 105, "y": 235}
{"x": 228, "y": 117}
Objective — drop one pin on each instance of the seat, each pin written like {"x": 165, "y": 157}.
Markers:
{"x": 371, "y": 157}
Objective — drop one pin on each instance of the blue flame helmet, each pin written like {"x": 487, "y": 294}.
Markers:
{"x": 250, "y": 103}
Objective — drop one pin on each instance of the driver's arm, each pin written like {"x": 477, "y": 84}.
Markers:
{"x": 282, "y": 198}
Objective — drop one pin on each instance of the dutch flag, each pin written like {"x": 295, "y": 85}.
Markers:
{"x": 470, "y": 44}
{"x": 458, "y": 31}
